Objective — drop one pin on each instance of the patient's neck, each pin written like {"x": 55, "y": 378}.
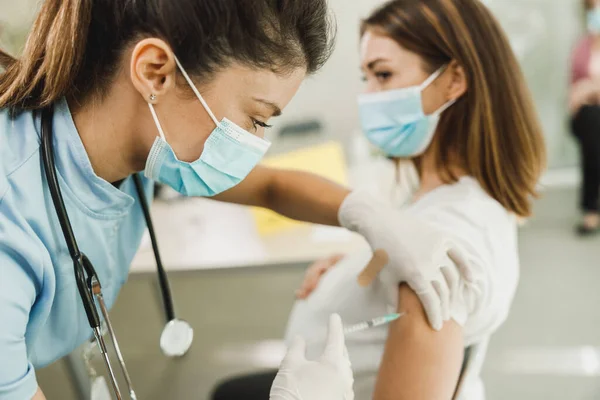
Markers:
{"x": 429, "y": 176}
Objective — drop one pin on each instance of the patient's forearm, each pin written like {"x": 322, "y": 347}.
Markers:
{"x": 419, "y": 363}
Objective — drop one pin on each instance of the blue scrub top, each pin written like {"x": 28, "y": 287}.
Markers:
{"x": 41, "y": 314}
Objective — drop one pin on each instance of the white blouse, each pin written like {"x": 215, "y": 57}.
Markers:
{"x": 476, "y": 221}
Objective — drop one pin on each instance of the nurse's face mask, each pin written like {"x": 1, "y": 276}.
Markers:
{"x": 229, "y": 154}
{"x": 394, "y": 120}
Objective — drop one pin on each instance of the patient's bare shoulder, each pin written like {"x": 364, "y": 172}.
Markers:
{"x": 418, "y": 362}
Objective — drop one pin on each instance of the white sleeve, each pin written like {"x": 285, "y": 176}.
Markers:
{"x": 393, "y": 186}
{"x": 471, "y": 299}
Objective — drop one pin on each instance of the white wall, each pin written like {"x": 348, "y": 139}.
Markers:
{"x": 330, "y": 95}
{"x": 15, "y": 19}
{"x": 542, "y": 32}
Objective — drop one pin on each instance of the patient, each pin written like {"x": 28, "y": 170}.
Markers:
{"x": 445, "y": 95}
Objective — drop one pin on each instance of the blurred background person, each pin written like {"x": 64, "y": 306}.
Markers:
{"x": 584, "y": 107}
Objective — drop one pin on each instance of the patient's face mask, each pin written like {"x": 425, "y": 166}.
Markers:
{"x": 229, "y": 154}
{"x": 395, "y": 122}
{"x": 593, "y": 20}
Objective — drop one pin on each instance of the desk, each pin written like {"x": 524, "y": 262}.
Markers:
{"x": 198, "y": 234}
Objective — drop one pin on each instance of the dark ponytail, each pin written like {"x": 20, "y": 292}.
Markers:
{"x": 76, "y": 46}
{"x": 52, "y": 56}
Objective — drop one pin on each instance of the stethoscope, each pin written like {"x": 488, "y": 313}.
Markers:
{"x": 177, "y": 335}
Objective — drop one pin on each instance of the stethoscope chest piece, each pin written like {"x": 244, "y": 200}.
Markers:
{"x": 176, "y": 338}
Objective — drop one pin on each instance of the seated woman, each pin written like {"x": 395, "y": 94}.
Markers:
{"x": 444, "y": 93}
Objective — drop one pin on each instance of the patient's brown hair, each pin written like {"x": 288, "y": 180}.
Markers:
{"x": 492, "y": 131}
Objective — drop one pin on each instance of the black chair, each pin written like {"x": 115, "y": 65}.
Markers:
{"x": 258, "y": 385}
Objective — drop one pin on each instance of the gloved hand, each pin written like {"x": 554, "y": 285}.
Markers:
{"x": 406, "y": 249}
{"x": 329, "y": 378}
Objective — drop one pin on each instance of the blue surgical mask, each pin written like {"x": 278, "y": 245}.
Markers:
{"x": 229, "y": 154}
{"x": 593, "y": 20}
{"x": 395, "y": 122}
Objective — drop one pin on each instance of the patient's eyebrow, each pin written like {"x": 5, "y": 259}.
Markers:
{"x": 373, "y": 63}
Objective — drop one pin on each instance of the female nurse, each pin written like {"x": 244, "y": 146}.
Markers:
{"x": 181, "y": 90}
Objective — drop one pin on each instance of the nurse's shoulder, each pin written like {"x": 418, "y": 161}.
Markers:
{"x": 23, "y": 211}
{"x": 21, "y": 187}
{"x": 19, "y": 140}
{"x": 21, "y": 259}
{"x": 21, "y": 174}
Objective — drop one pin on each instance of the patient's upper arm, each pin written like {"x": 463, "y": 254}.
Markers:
{"x": 419, "y": 363}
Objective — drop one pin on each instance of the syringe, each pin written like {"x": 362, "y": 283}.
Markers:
{"x": 363, "y": 326}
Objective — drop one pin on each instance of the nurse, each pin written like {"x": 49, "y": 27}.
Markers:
{"x": 183, "y": 91}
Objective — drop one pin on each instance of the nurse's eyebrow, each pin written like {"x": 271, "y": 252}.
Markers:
{"x": 274, "y": 107}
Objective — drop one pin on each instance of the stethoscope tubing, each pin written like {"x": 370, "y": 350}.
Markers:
{"x": 89, "y": 287}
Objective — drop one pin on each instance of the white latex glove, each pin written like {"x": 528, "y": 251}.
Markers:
{"x": 329, "y": 378}
{"x": 406, "y": 249}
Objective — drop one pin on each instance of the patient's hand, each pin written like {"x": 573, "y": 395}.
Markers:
{"x": 314, "y": 273}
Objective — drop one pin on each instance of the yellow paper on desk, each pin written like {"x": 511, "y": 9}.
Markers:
{"x": 326, "y": 160}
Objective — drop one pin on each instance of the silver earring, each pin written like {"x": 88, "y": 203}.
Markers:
{"x": 152, "y": 97}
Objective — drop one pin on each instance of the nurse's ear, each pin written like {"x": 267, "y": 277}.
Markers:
{"x": 456, "y": 81}
{"x": 153, "y": 68}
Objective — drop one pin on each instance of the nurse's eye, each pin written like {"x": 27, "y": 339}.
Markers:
{"x": 383, "y": 76}
{"x": 256, "y": 123}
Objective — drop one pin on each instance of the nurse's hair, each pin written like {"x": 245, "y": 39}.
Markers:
{"x": 75, "y": 46}
{"x": 492, "y": 132}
